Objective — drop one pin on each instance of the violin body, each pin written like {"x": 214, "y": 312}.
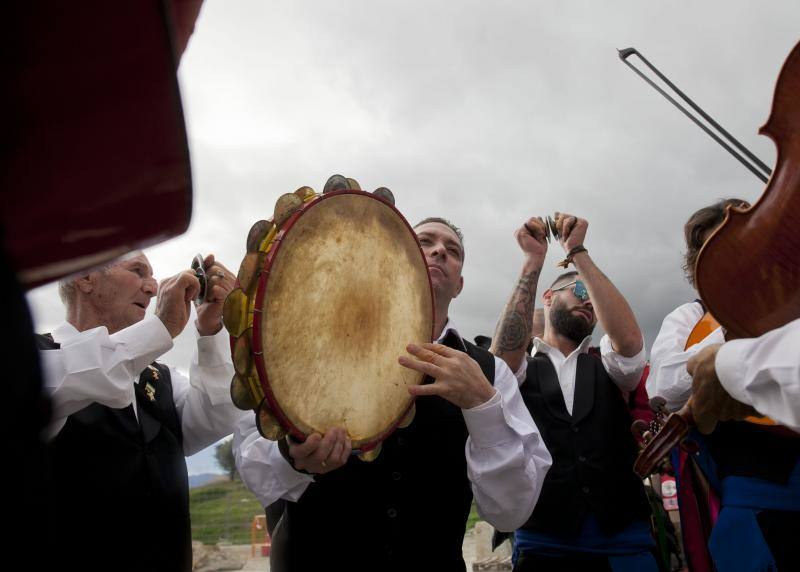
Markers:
{"x": 748, "y": 271}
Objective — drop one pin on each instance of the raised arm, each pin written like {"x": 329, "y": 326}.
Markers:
{"x": 515, "y": 325}
{"x": 613, "y": 312}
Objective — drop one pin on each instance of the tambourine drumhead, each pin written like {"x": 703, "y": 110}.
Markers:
{"x": 345, "y": 289}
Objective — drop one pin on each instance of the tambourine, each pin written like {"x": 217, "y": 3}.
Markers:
{"x": 329, "y": 294}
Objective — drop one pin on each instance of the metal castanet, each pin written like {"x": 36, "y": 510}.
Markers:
{"x": 748, "y": 271}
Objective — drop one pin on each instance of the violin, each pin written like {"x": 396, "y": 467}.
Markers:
{"x": 748, "y": 271}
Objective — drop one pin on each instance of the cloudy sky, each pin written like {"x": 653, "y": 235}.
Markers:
{"x": 485, "y": 113}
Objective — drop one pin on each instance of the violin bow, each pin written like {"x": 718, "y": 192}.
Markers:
{"x": 743, "y": 155}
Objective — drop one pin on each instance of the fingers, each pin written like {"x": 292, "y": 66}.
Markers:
{"x": 217, "y": 293}
{"x": 321, "y": 454}
{"x": 427, "y": 389}
{"x": 189, "y": 283}
{"x": 427, "y": 358}
{"x": 302, "y": 450}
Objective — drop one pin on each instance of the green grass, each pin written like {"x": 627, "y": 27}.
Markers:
{"x": 473, "y": 516}
{"x": 223, "y": 511}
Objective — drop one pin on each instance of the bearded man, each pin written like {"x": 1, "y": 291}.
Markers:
{"x": 592, "y": 513}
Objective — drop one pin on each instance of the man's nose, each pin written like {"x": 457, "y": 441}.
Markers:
{"x": 436, "y": 250}
{"x": 150, "y": 286}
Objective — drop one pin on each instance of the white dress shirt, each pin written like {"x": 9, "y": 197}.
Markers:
{"x": 668, "y": 376}
{"x": 93, "y": 366}
{"x": 764, "y": 373}
{"x": 506, "y": 457}
{"x": 626, "y": 372}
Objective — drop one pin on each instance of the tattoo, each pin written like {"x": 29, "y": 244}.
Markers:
{"x": 514, "y": 329}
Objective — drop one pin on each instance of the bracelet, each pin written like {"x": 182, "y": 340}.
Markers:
{"x": 571, "y": 254}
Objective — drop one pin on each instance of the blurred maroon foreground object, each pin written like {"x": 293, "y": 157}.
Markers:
{"x": 95, "y": 160}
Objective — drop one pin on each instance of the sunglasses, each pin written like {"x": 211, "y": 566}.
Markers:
{"x": 579, "y": 290}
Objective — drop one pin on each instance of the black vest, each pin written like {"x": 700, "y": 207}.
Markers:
{"x": 407, "y": 510}
{"x": 122, "y": 490}
{"x": 593, "y": 450}
{"x": 748, "y": 450}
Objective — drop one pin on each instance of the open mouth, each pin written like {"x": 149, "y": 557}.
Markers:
{"x": 142, "y": 306}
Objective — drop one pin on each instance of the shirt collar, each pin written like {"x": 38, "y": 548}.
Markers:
{"x": 450, "y": 326}
{"x": 539, "y": 345}
{"x": 64, "y": 332}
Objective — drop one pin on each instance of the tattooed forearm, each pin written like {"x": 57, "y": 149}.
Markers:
{"x": 514, "y": 328}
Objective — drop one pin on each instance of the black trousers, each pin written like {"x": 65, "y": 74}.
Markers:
{"x": 779, "y": 528}
{"x": 571, "y": 563}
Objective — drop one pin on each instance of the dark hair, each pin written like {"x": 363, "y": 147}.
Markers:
{"x": 449, "y": 225}
{"x": 563, "y": 276}
{"x": 698, "y": 226}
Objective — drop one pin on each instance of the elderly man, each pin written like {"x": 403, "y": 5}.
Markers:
{"x": 592, "y": 513}
{"x": 408, "y": 509}
{"x": 122, "y": 422}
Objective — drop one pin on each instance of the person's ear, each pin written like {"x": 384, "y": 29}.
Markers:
{"x": 460, "y": 286}
{"x": 547, "y": 298}
{"x": 85, "y": 283}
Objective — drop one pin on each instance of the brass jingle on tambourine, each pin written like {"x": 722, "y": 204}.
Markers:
{"x": 371, "y": 455}
{"x": 250, "y": 270}
{"x": 258, "y": 232}
{"x": 242, "y": 393}
{"x": 353, "y": 184}
{"x": 234, "y": 313}
{"x": 409, "y": 417}
{"x": 285, "y": 207}
{"x": 243, "y": 362}
{"x": 385, "y": 194}
{"x": 336, "y": 183}
{"x": 200, "y": 274}
{"x": 268, "y": 426}
{"x": 305, "y": 193}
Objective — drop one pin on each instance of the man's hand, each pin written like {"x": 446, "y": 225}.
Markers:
{"x": 532, "y": 239}
{"x": 320, "y": 454}
{"x": 571, "y": 230}
{"x": 458, "y": 378}
{"x": 173, "y": 305}
{"x": 710, "y": 402}
{"x": 220, "y": 282}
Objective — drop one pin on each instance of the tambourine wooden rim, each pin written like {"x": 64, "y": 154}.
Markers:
{"x": 261, "y": 289}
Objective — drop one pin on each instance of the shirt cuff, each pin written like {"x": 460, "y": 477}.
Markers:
{"x": 144, "y": 341}
{"x": 730, "y": 364}
{"x": 486, "y": 423}
{"x": 626, "y": 364}
{"x": 214, "y": 351}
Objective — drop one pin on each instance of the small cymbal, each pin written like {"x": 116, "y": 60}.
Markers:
{"x": 336, "y": 183}
{"x": 385, "y": 194}
{"x": 285, "y": 207}
{"x": 371, "y": 455}
{"x": 242, "y": 354}
{"x": 235, "y": 313}
{"x": 267, "y": 424}
{"x": 242, "y": 393}
{"x": 258, "y": 232}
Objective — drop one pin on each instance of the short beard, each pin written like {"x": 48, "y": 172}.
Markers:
{"x": 569, "y": 325}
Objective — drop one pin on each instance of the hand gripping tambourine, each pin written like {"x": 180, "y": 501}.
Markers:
{"x": 329, "y": 294}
